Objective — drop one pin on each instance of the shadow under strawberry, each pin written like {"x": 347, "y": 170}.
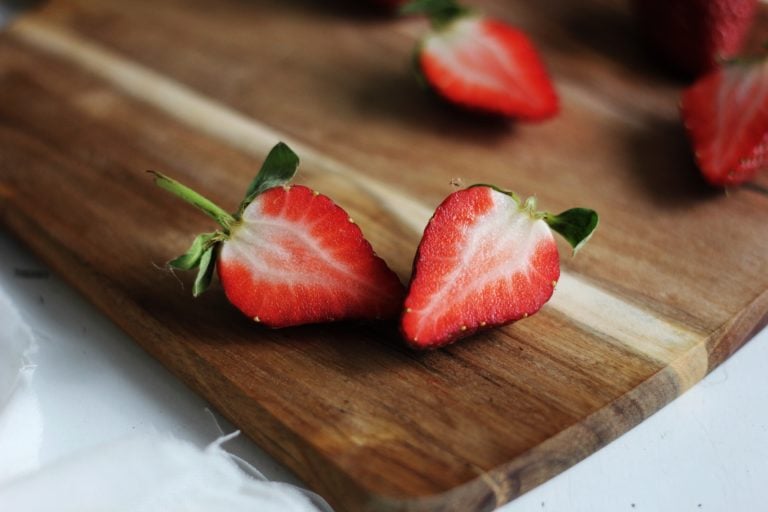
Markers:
{"x": 212, "y": 318}
{"x": 660, "y": 161}
{"x": 612, "y": 33}
{"x": 367, "y": 11}
{"x": 398, "y": 97}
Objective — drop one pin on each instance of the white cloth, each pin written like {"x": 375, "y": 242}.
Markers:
{"x": 141, "y": 473}
{"x": 20, "y": 422}
{"x": 148, "y": 474}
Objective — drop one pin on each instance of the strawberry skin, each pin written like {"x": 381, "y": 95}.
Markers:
{"x": 298, "y": 258}
{"x": 486, "y": 65}
{"x": 726, "y": 118}
{"x": 693, "y": 35}
{"x": 289, "y": 255}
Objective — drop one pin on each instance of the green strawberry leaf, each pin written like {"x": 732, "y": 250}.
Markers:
{"x": 439, "y": 12}
{"x": 278, "y": 169}
{"x": 205, "y": 271}
{"x": 575, "y": 225}
{"x": 191, "y": 258}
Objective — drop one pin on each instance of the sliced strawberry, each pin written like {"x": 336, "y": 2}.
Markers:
{"x": 693, "y": 35}
{"x": 307, "y": 262}
{"x": 726, "y": 117}
{"x": 289, "y": 256}
{"x": 483, "y": 64}
{"x": 485, "y": 260}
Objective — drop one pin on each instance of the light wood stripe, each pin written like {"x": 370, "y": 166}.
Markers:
{"x": 644, "y": 332}
{"x": 639, "y": 329}
{"x": 202, "y": 113}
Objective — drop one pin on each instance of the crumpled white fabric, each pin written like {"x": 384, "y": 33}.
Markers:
{"x": 147, "y": 473}
{"x": 16, "y": 346}
{"x": 20, "y": 420}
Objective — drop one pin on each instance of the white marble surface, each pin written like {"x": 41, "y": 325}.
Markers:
{"x": 706, "y": 451}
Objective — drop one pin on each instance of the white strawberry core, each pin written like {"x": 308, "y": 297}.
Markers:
{"x": 279, "y": 250}
{"x": 498, "y": 245}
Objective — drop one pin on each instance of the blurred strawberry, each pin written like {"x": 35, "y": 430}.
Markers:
{"x": 726, "y": 116}
{"x": 481, "y": 63}
{"x": 692, "y": 35}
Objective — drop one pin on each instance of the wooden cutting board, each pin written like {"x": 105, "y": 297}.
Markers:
{"x": 93, "y": 93}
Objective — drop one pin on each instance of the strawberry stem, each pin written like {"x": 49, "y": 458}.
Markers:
{"x": 195, "y": 199}
{"x": 439, "y": 12}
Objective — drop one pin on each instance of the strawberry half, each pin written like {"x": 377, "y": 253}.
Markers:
{"x": 289, "y": 255}
{"x": 486, "y": 259}
{"x": 726, "y": 117}
{"x": 693, "y": 35}
{"x": 482, "y": 64}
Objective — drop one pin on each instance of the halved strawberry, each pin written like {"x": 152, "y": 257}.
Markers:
{"x": 289, "y": 255}
{"x": 726, "y": 116}
{"x": 693, "y": 35}
{"x": 486, "y": 259}
{"x": 482, "y": 64}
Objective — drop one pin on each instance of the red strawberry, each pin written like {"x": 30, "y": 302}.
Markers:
{"x": 726, "y": 117}
{"x": 482, "y": 64}
{"x": 693, "y": 35}
{"x": 289, "y": 256}
{"x": 486, "y": 259}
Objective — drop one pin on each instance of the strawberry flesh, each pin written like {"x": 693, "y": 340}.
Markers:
{"x": 483, "y": 261}
{"x": 487, "y": 65}
{"x": 297, "y": 258}
{"x": 726, "y": 117}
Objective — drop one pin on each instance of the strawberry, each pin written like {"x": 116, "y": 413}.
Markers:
{"x": 692, "y": 35}
{"x": 726, "y": 117}
{"x": 482, "y": 64}
{"x": 289, "y": 255}
{"x": 486, "y": 259}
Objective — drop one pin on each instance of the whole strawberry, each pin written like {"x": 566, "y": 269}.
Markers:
{"x": 726, "y": 117}
{"x": 486, "y": 259}
{"x": 693, "y": 35}
{"x": 288, "y": 255}
{"x": 482, "y": 64}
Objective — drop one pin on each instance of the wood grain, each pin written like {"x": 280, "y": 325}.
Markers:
{"x": 94, "y": 93}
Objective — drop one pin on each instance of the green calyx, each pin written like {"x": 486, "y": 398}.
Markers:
{"x": 278, "y": 168}
{"x": 440, "y": 12}
{"x": 576, "y": 225}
